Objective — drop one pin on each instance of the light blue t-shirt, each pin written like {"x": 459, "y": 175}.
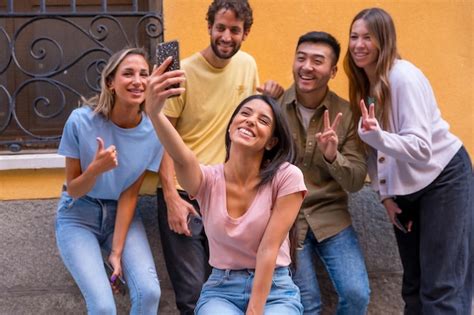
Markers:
{"x": 138, "y": 149}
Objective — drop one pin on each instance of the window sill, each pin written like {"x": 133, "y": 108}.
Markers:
{"x": 31, "y": 161}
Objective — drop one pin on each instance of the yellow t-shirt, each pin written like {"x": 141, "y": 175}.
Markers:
{"x": 204, "y": 109}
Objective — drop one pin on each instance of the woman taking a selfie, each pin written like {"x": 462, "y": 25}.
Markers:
{"x": 103, "y": 176}
{"x": 421, "y": 170}
{"x": 248, "y": 204}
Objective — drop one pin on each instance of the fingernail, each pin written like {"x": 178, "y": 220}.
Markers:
{"x": 113, "y": 278}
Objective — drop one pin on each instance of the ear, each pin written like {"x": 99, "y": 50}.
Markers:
{"x": 246, "y": 33}
{"x": 333, "y": 71}
{"x": 209, "y": 28}
{"x": 271, "y": 143}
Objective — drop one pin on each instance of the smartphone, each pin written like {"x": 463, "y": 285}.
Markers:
{"x": 119, "y": 282}
{"x": 165, "y": 50}
{"x": 401, "y": 226}
{"x": 195, "y": 224}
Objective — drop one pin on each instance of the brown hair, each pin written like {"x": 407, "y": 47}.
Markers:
{"x": 104, "y": 101}
{"x": 382, "y": 29}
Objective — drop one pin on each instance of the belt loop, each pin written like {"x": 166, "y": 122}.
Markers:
{"x": 227, "y": 274}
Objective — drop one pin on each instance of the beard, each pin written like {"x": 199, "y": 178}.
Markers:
{"x": 222, "y": 55}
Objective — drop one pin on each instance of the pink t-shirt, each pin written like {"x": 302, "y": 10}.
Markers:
{"x": 233, "y": 243}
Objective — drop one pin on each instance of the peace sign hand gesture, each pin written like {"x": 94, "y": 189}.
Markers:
{"x": 369, "y": 122}
{"x": 328, "y": 140}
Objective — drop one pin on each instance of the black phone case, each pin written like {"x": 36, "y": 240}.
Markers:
{"x": 166, "y": 49}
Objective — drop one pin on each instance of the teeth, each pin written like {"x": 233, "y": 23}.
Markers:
{"x": 246, "y": 132}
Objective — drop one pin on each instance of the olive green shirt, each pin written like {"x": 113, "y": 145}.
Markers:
{"x": 325, "y": 208}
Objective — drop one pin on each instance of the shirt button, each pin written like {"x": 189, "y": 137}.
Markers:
{"x": 310, "y": 143}
{"x": 381, "y": 159}
{"x": 382, "y": 181}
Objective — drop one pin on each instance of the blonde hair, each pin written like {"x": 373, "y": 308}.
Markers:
{"x": 382, "y": 29}
{"x": 104, "y": 102}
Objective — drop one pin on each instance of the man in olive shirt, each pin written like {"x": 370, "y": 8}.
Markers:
{"x": 332, "y": 162}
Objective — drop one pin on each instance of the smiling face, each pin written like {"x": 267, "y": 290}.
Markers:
{"x": 129, "y": 81}
{"x": 363, "y": 47}
{"x": 313, "y": 67}
{"x": 253, "y": 126}
{"x": 227, "y": 34}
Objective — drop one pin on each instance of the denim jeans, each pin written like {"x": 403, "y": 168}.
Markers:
{"x": 186, "y": 258}
{"x": 84, "y": 227}
{"x": 437, "y": 255}
{"x": 227, "y": 292}
{"x": 344, "y": 262}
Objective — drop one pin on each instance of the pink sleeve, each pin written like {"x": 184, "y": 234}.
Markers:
{"x": 203, "y": 195}
{"x": 289, "y": 180}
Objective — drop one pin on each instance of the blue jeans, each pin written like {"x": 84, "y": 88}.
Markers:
{"x": 344, "y": 262}
{"x": 84, "y": 226}
{"x": 437, "y": 254}
{"x": 227, "y": 292}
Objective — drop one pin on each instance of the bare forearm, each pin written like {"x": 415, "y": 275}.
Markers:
{"x": 262, "y": 283}
{"x": 79, "y": 184}
{"x": 167, "y": 177}
{"x": 125, "y": 212}
{"x": 186, "y": 164}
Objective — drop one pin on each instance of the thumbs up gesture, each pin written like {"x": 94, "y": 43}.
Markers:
{"x": 105, "y": 159}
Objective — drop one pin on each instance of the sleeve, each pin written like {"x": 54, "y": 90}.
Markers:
{"x": 411, "y": 140}
{"x": 203, "y": 195}
{"x": 154, "y": 165}
{"x": 289, "y": 180}
{"x": 69, "y": 145}
{"x": 256, "y": 82}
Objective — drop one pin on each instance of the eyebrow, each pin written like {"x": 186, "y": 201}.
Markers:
{"x": 299, "y": 52}
{"x": 251, "y": 109}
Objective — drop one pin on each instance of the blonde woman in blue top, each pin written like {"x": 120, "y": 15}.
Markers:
{"x": 420, "y": 169}
{"x": 108, "y": 145}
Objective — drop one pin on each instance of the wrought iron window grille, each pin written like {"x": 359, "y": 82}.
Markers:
{"x": 49, "y": 60}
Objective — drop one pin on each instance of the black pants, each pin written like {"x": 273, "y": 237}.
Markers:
{"x": 437, "y": 254}
{"x": 187, "y": 258}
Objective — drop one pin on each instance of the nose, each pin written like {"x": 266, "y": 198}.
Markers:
{"x": 358, "y": 43}
{"x": 250, "y": 120}
{"x": 307, "y": 65}
{"x": 136, "y": 79}
{"x": 226, "y": 35}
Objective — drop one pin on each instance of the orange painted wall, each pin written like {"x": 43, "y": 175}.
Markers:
{"x": 436, "y": 35}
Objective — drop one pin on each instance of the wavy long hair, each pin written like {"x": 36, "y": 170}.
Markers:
{"x": 103, "y": 103}
{"x": 382, "y": 30}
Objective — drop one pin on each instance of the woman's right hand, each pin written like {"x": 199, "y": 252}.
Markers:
{"x": 159, "y": 87}
{"x": 104, "y": 159}
{"x": 392, "y": 211}
{"x": 369, "y": 122}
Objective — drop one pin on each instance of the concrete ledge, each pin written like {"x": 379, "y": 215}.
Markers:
{"x": 33, "y": 279}
{"x": 31, "y": 161}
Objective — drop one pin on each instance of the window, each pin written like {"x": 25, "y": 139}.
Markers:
{"x": 55, "y": 52}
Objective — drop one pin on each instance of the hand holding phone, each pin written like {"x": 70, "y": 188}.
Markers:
{"x": 165, "y": 50}
{"x": 117, "y": 283}
{"x": 195, "y": 224}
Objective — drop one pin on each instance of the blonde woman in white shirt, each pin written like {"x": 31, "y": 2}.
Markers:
{"x": 421, "y": 170}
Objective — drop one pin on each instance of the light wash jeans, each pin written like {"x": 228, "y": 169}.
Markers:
{"x": 84, "y": 227}
{"x": 344, "y": 262}
{"x": 227, "y": 292}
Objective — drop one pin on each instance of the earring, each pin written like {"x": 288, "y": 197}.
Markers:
{"x": 112, "y": 91}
